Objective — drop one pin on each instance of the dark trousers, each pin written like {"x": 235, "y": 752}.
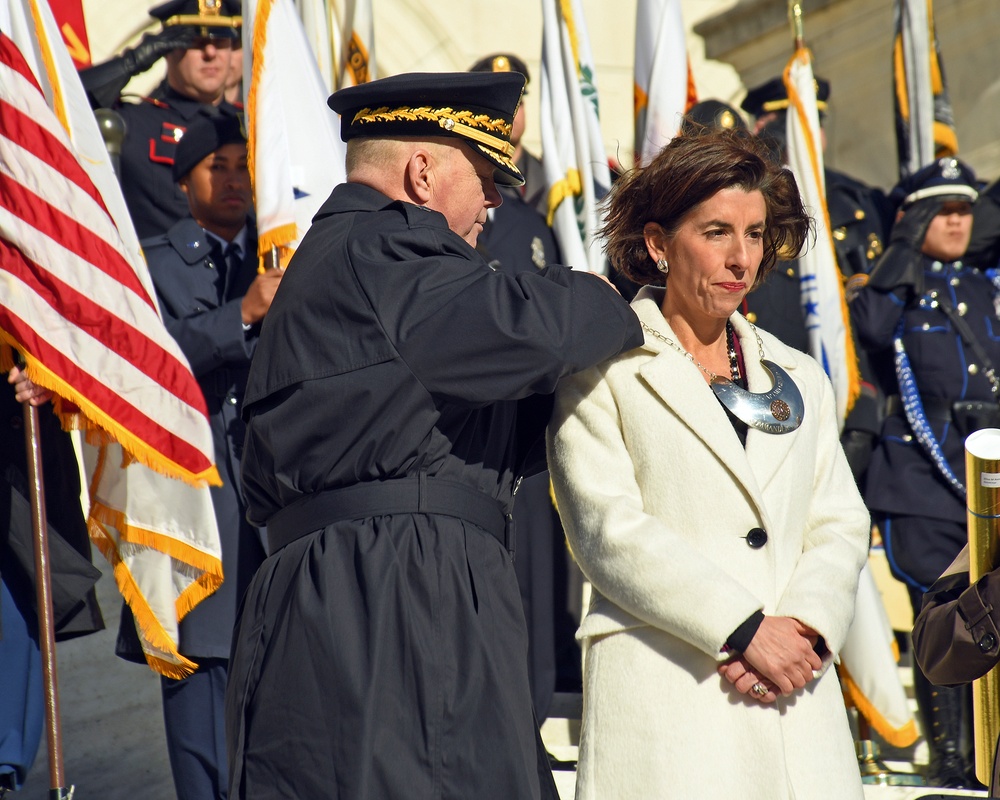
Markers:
{"x": 194, "y": 717}
{"x": 22, "y": 702}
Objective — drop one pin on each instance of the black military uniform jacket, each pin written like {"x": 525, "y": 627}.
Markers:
{"x": 154, "y": 126}
{"x": 396, "y": 642}
{"x": 201, "y": 304}
{"x": 902, "y": 479}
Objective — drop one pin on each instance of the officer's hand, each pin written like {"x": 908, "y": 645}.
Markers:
{"x": 258, "y": 298}
{"x": 911, "y": 228}
{"x": 154, "y": 46}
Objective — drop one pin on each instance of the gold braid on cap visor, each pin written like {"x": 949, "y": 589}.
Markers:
{"x": 204, "y": 22}
{"x": 462, "y": 123}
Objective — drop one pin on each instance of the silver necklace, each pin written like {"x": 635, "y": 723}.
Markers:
{"x": 778, "y": 410}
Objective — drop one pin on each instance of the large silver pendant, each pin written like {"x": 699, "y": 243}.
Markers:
{"x": 778, "y": 410}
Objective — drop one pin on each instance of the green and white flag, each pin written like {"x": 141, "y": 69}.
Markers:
{"x": 576, "y": 166}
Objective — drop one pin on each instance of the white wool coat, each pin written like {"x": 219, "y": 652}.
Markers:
{"x": 657, "y": 496}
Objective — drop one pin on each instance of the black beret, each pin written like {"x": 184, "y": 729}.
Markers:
{"x": 219, "y": 19}
{"x": 712, "y": 115}
{"x": 502, "y": 62}
{"x": 946, "y": 179}
{"x": 209, "y": 131}
{"x": 771, "y": 96}
{"x": 477, "y": 107}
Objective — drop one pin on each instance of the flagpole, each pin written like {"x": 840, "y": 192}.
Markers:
{"x": 795, "y": 20}
{"x": 43, "y": 589}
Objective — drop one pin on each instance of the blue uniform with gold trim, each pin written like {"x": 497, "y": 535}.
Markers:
{"x": 154, "y": 126}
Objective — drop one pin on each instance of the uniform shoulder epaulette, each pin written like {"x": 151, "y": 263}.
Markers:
{"x": 154, "y": 102}
{"x": 154, "y": 241}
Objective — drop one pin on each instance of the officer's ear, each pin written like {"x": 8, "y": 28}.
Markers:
{"x": 418, "y": 175}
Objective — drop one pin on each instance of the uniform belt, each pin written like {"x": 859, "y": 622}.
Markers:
{"x": 980, "y": 413}
{"x": 416, "y": 495}
{"x": 935, "y": 408}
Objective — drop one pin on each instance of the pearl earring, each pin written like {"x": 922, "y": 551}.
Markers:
{"x": 663, "y": 266}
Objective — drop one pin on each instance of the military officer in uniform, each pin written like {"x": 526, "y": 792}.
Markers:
{"x": 859, "y": 217}
{"x": 204, "y": 270}
{"x": 400, "y": 389}
{"x": 929, "y": 320}
{"x": 196, "y": 39}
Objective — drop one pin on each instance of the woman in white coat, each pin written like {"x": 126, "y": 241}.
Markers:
{"x": 705, "y": 495}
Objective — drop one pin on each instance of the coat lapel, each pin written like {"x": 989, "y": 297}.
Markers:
{"x": 679, "y": 383}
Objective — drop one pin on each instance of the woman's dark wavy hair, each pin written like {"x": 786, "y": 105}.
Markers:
{"x": 688, "y": 171}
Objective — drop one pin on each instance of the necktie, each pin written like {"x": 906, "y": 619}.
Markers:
{"x": 233, "y": 258}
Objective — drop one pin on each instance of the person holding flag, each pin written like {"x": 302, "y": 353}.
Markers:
{"x": 76, "y": 611}
{"x": 77, "y": 305}
{"x": 204, "y": 270}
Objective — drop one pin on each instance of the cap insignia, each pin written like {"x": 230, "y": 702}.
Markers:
{"x": 501, "y": 64}
{"x": 479, "y": 127}
{"x": 949, "y": 168}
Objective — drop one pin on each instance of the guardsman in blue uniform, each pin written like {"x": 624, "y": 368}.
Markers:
{"x": 859, "y": 222}
{"x": 204, "y": 270}
{"x": 929, "y": 321}
{"x": 196, "y": 40}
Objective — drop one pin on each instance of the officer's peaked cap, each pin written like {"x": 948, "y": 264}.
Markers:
{"x": 502, "y": 62}
{"x": 713, "y": 115}
{"x": 772, "y": 96}
{"x": 211, "y": 129}
{"x": 946, "y": 179}
{"x": 477, "y": 107}
{"x": 219, "y": 19}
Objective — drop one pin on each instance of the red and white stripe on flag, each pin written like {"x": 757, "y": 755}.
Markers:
{"x": 77, "y": 301}
{"x": 72, "y": 303}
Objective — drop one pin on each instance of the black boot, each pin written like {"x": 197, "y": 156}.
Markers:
{"x": 943, "y": 717}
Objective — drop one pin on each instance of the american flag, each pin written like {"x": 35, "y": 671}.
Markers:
{"x": 77, "y": 303}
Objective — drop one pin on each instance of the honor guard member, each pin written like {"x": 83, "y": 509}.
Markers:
{"x": 400, "y": 390}
{"x": 516, "y": 238}
{"x": 535, "y": 190}
{"x": 204, "y": 270}
{"x": 75, "y": 611}
{"x": 859, "y": 222}
{"x": 196, "y": 40}
{"x": 929, "y": 320}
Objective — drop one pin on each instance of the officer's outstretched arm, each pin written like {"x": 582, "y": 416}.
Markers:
{"x": 104, "y": 82}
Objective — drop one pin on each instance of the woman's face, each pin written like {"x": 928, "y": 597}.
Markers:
{"x": 713, "y": 256}
{"x": 949, "y": 233}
